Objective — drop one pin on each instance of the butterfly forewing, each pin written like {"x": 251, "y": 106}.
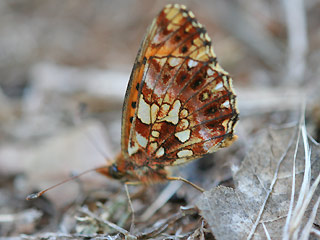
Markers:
{"x": 179, "y": 103}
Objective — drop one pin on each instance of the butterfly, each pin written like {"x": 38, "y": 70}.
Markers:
{"x": 179, "y": 104}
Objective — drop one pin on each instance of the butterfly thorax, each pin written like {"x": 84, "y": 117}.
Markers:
{"x": 125, "y": 170}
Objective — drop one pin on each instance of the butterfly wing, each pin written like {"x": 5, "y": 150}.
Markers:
{"x": 179, "y": 103}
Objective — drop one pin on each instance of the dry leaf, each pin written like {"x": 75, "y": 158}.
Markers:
{"x": 257, "y": 208}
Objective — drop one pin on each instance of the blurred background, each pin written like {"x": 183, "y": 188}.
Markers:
{"x": 64, "y": 68}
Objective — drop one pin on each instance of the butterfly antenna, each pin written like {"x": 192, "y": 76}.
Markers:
{"x": 38, "y": 194}
{"x": 96, "y": 146}
{"x": 79, "y": 119}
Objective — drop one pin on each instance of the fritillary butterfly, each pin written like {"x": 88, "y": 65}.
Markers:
{"x": 179, "y": 104}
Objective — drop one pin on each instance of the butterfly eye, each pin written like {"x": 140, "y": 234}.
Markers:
{"x": 114, "y": 172}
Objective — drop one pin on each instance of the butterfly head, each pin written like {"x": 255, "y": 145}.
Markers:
{"x": 117, "y": 169}
{"x": 114, "y": 172}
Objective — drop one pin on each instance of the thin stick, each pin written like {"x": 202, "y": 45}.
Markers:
{"x": 86, "y": 211}
{"x": 131, "y": 207}
{"x": 186, "y": 181}
{"x": 286, "y": 233}
{"x": 38, "y": 194}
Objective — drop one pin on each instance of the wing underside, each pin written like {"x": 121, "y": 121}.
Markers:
{"x": 179, "y": 102}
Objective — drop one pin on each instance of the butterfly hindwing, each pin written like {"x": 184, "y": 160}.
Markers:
{"x": 179, "y": 103}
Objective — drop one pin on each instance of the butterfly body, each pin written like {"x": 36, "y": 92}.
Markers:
{"x": 127, "y": 171}
{"x": 179, "y": 103}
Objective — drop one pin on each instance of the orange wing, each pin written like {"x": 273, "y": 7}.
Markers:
{"x": 179, "y": 103}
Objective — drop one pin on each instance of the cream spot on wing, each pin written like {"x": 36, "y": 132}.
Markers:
{"x": 166, "y": 99}
{"x": 144, "y": 111}
{"x": 194, "y": 23}
{"x": 132, "y": 149}
{"x": 171, "y": 12}
{"x": 183, "y": 125}
{"x": 218, "y": 68}
{"x": 185, "y": 153}
{"x": 210, "y": 71}
{"x": 184, "y": 113}
{"x": 173, "y": 114}
{"x": 226, "y": 104}
{"x": 218, "y": 86}
{"x": 197, "y": 42}
{"x": 184, "y": 135}
{"x": 213, "y": 55}
{"x": 164, "y": 109}
{"x": 153, "y": 146}
{"x": 154, "y": 112}
{"x": 202, "y": 55}
{"x": 191, "y": 14}
{"x": 225, "y": 123}
{"x": 204, "y": 96}
{"x": 174, "y": 61}
{"x": 192, "y": 63}
{"x": 206, "y": 36}
{"x": 225, "y": 78}
{"x": 141, "y": 140}
{"x": 189, "y": 27}
{"x": 155, "y": 134}
{"x": 209, "y": 51}
{"x": 177, "y": 19}
{"x": 160, "y": 152}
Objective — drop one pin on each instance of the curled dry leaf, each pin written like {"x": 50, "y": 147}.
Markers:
{"x": 259, "y": 204}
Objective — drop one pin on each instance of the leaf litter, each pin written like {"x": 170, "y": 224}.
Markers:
{"x": 260, "y": 206}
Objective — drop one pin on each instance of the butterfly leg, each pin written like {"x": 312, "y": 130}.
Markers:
{"x": 186, "y": 181}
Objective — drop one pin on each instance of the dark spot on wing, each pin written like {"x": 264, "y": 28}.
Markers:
{"x": 196, "y": 83}
{"x": 184, "y": 49}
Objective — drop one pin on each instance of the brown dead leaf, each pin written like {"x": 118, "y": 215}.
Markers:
{"x": 257, "y": 208}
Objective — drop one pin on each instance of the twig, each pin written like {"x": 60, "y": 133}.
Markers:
{"x": 86, "y": 211}
{"x": 161, "y": 227}
{"x": 131, "y": 207}
{"x": 288, "y": 220}
{"x": 305, "y": 195}
{"x": 266, "y": 231}
{"x": 307, "y": 229}
{"x": 299, "y": 211}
